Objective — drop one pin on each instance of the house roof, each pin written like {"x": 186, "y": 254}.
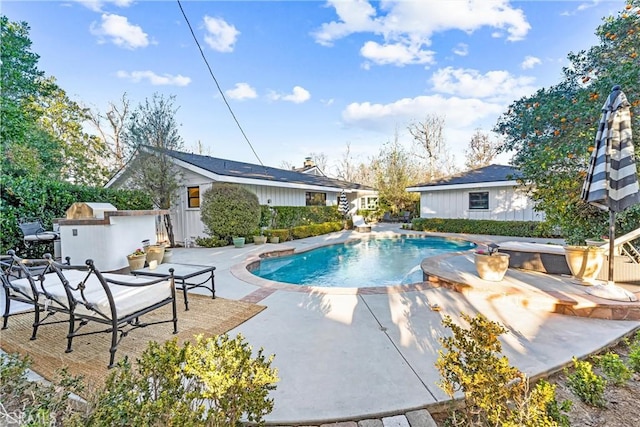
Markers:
{"x": 491, "y": 173}
{"x": 232, "y": 168}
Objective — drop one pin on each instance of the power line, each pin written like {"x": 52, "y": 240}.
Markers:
{"x": 218, "y": 85}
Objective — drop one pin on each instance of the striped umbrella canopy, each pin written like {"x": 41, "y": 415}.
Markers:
{"x": 343, "y": 203}
{"x": 612, "y": 178}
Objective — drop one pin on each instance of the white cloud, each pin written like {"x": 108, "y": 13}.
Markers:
{"x": 530, "y": 62}
{"x": 242, "y": 91}
{"x": 220, "y": 36}
{"x": 462, "y": 49}
{"x": 298, "y": 96}
{"x": 154, "y": 79}
{"x": 96, "y": 5}
{"x": 493, "y": 85}
{"x": 121, "y": 33}
{"x": 396, "y": 53}
{"x": 412, "y": 24}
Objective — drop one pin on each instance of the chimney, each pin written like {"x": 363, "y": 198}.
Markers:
{"x": 308, "y": 162}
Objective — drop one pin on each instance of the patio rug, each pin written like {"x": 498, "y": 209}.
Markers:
{"x": 90, "y": 355}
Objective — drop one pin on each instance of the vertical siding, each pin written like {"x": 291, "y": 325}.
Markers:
{"x": 505, "y": 204}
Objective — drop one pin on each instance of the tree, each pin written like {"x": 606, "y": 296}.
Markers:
{"x": 320, "y": 160}
{"x": 395, "y": 171}
{"x": 428, "y": 138}
{"x": 151, "y": 131}
{"x": 229, "y": 211}
{"x": 553, "y": 130}
{"x": 116, "y": 118}
{"x": 481, "y": 151}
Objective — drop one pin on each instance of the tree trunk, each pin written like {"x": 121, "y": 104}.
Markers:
{"x": 169, "y": 227}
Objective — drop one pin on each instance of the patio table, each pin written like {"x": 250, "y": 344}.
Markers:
{"x": 181, "y": 273}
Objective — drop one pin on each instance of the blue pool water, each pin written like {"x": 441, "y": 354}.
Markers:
{"x": 372, "y": 262}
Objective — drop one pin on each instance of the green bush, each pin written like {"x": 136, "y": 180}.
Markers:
{"x": 214, "y": 382}
{"x": 489, "y": 227}
{"x": 282, "y": 233}
{"x": 495, "y": 393}
{"x": 614, "y": 368}
{"x": 211, "y": 242}
{"x": 634, "y": 353}
{"x": 293, "y": 216}
{"x": 303, "y": 231}
{"x": 35, "y": 403}
{"x": 47, "y": 200}
{"x": 586, "y": 384}
{"x": 229, "y": 210}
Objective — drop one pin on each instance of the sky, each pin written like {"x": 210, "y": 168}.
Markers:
{"x": 311, "y": 77}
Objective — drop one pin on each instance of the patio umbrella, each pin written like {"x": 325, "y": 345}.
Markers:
{"x": 612, "y": 179}
{"x": 343, "y": 203}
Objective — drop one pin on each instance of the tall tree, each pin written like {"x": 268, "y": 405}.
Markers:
{"x": 552, "y": 131}
{"x": 151, "y": 131}
{"x": 429, "y": 141}
{"x": 396, "y": 170}
{"x": 482, "y": 150}
{"x": 115, "y": 118}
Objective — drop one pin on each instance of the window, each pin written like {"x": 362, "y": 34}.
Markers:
{"x": 193, "y": 197}
{"x": 479, "y": 200}
{"x": 316, "y": 199}
{"x": 369, "y": 202}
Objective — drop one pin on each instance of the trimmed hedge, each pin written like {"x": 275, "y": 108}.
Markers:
{"x": 303, "y": 231}
{"x": 21, "y": 197}
{"x": 293, "y": 216}
{"x": 490, "y": 227}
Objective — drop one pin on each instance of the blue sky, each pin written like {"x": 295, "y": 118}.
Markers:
{"x": 308, "y": 77}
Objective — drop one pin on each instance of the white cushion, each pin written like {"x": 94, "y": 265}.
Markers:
{"x": 127, "y": 299}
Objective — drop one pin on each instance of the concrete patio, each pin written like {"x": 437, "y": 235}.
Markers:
{"x": 346, "y": 355}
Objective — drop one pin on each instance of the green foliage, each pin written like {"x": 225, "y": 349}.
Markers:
{"x": 303, "y": 231}
{"x": 211, "y": 242}
{"x": 282, "y": 233}
{"x": 552, "y": 131}
{"x": 556, "y": 411}
{"x": 214, "y": 382}
{"x": 614, "y": 368}
{"x": 634, "y": 353}
{"x": 292, "y": 216}
{"x": 23, "y": 197}
{"x": 395, "y": 171}
{"x": 585, "y": 383}
{"x": 36, "y": 403}
{"x": 490, "y": 227}
{"x": 495, "y": 393}
{"x": 229, "y": 210}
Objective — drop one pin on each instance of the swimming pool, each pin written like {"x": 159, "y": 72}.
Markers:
{"x": 369, "y": 262}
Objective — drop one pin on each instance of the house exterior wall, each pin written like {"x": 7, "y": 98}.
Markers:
{"x": 505, "y": 204}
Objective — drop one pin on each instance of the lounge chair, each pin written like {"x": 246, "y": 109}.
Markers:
{"x": 360, "y": 225}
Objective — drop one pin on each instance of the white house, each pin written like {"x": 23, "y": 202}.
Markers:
{"x": 491, "y": 192}
{"x": 273, "y": 186}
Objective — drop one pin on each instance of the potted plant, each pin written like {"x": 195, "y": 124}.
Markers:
{"x": 168, "y": 254}
{"x": 136, "y": 259}
{"x": 259, "y": 238}
{"x": 490, "y": 264}
{"x": 584, "y": 262}
{"x": 154, "y": 253}
{"x": 238, "y": 242}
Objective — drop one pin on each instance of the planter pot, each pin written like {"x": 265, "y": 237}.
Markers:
{"x": 259, "y": 240}
{"x": 136, "y": 262}
{"x": 274, "y": 239}
{"x": 167, "y": 256}
{"x": 238, "y": 242}
{"x": 492, "y": 267}
{"x": 584, "y": 262}
{"x": 155, "y": 253}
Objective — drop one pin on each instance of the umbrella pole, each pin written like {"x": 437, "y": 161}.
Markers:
{"x": 612, "y": 238}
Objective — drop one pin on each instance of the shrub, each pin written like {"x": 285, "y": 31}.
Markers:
{"x": 293, "y": 216}
{"x": 586, "y": 384}
{"x": 214, "y": 382}
{"x": 229, "y": 210}
{"x": 614, "y": 368}
{"x": 303, "y": 231}
{"x": 489, "y": 227}
{"x": 634, "y": 353}
{"x": 211, "y": 242}
{"x": 26, "y": 402}
{"x": 283, "y": 234}
{"x": 495, "y": 393}
{"x": 22, "y": 197}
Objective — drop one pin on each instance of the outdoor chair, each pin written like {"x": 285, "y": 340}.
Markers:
{"x": 387, "y": 217}
{"x": 406, "y": 217}
{"x": 360, "y": 225}
{"x": 33, "y": 232}
{"x": 82, "y": 294}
